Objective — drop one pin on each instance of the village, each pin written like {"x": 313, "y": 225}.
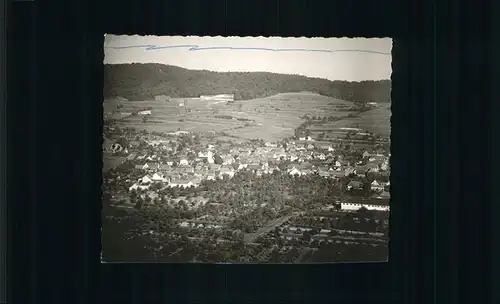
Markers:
{"x": 283, "y": 201}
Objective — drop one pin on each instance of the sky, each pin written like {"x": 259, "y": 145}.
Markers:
{"x": 351, "y": 59}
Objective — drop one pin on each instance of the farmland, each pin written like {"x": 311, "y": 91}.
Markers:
{"x": 271, "y": 118}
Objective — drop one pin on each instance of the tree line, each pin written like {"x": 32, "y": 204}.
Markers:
{"x": 144, "y": 81}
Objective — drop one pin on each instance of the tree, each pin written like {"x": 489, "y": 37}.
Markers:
{"x": 217, "y": 159}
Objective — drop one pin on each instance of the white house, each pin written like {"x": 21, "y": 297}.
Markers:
{"x": 183, "y": 161}
{"x": 220, "y": 97}
{"x": 138, "y": 186}
{"x": 357, "y": 206}
{"x": 146, "y": 112}
{"x": 146, "y": 179}
{"x": 180, "y": 183}
{"x": 302, "y": 138}
{"x": 242, "y": 166}
{"x": 202, "y": 154}
{"x": 210, "y": 157}
{"x": 143, "y": 183}
{"x": 295, "y": 171}
{"x": 159, "y": 177}
{"x": 376, "y": 186}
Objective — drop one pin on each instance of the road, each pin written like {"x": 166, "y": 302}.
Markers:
{"x": 251, "y": 237}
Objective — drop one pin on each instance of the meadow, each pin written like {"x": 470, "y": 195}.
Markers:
{"x": 270, "y": 118}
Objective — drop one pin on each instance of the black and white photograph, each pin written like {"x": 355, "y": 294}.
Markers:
{"x": 246, "y": 150}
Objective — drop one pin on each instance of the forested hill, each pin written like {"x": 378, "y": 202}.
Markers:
{"x": 144, "y": 81}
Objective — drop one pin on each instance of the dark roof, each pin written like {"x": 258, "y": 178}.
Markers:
{"x": 355, "y": 183}
{"x": 370, "y": 201}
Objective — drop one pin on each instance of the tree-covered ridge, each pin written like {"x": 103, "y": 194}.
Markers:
{"x": 138, "y": 81}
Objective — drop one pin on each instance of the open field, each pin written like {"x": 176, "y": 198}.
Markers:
{"x": 270, "y": 118}
{"x": 377, "y": 121}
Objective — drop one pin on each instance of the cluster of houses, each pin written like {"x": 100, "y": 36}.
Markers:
{"x": 191, "y": 168}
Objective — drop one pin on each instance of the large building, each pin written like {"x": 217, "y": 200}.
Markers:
{"x": 379, "y": 204}
{"x": 220, "y": 97}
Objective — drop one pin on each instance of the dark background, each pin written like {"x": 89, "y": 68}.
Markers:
{"x": 442, "y": 158}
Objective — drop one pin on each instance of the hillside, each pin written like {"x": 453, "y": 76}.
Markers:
{"x": 144, "y": 81}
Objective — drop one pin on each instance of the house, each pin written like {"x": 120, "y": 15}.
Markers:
{"x": 227, "y": 159}
{"x": 215, "y": 167}
{"x": 181, "y": 183}
{"x": 183, "y": 161}
{"x": 307, "y": 172}
{"x": 270, "y": 144}
{"x": 210, "y": 175}
{"x": 366, "y": 154}
{"x": 132, "y": 156}
{"x": 165, "y": 167}
{"x": 361, "y": 170}
{"x": 354, "y": 185}
{"x": 373, "y": 167}
{"x": 310, "y": 146}
{"x": 324, "y": 174}
{"x": 202, "y": 154}
{"x": 242, "y": 166}
{"x": 295, "y": 171}
{"x": 139, "y": 186}
{"x": 324, "y": 146}
{"x": 134, "y": 143}
{"x": 336, "y": 174}
{"x": 353, "y": 206}
{"x": 139, "y": 167}
{"x": 376, "y": 158}
{"x": 302, "y": 138}
{"x": 159, "y": 177}
{"x": 162, "y": 98}
{"x": 146, "y": 179}
{"x": 349, "y": 171}
{"x": 226, "y": 171}
{"x": 195, "y": 181}
{"x": 253, "y": 167}
{"x": 146, "y": 112}
{"x": 376, "y": 186}
{"x": 153, "y": 165}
